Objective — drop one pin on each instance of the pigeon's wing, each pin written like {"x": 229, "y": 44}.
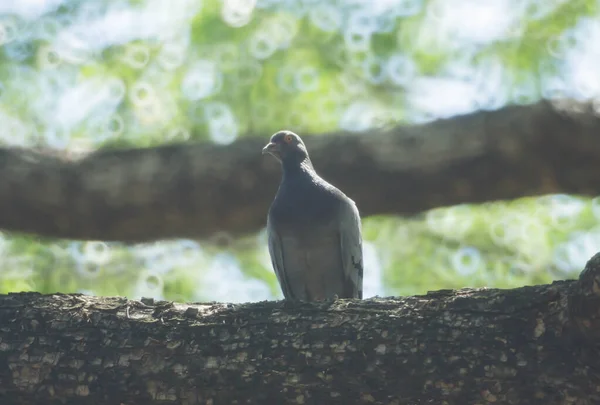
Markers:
{"x": 351, "y": 249}
{"x": 276, "y": 252}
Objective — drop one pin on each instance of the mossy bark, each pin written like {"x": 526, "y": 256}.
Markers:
{"x": 530, "y": 345}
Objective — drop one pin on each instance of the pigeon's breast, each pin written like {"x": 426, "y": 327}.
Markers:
{"x": 313, "y": 264}
{"x": 309, "y": 206}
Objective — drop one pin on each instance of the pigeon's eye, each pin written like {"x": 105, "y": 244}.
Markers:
{"x": 288, "y": 139}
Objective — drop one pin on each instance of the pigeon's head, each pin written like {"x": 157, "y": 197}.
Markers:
{"x": 286, "y": 146}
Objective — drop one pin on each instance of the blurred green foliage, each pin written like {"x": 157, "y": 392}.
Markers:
{"x": 147, "y": 72}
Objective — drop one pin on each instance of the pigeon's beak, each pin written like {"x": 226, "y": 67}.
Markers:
{"x": 272, "y": 149}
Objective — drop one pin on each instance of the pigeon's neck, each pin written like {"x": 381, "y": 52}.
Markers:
{"x": 296, "y": 170}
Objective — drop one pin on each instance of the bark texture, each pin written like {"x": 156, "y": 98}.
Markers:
{"x": 201, "y": 190}
{"x": 531, "y": 345}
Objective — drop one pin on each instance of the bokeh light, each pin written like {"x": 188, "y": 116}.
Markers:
{"x": 147, "y": 72}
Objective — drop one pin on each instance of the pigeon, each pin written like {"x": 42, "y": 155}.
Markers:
{"x": 313, "y": 229}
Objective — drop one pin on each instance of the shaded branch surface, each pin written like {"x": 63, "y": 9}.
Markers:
{"x": 200, "y": 190}
{"x": 531, "y": 345}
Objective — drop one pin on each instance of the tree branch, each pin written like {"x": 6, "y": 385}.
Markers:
{"x": 531, "y": 345}
{"x": 197, "y": 190}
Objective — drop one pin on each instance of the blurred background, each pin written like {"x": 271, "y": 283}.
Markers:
{"x": 80, "y": 75}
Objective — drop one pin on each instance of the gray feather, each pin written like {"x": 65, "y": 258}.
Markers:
{"x": 351, "y": 249}
{"x": 276, "y": 253}
{"x": 318, "y": 261}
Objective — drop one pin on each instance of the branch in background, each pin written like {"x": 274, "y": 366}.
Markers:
{"x": 198, "y": 190}
{"x": 530, "y": 345}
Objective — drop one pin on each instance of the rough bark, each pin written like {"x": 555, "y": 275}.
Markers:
{"x": 199, "y": 190}
{"x": 531, "y": 345}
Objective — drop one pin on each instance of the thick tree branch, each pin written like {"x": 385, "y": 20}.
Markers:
{"x": 531, "y": 345}
{"x": 198, "y": 190}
